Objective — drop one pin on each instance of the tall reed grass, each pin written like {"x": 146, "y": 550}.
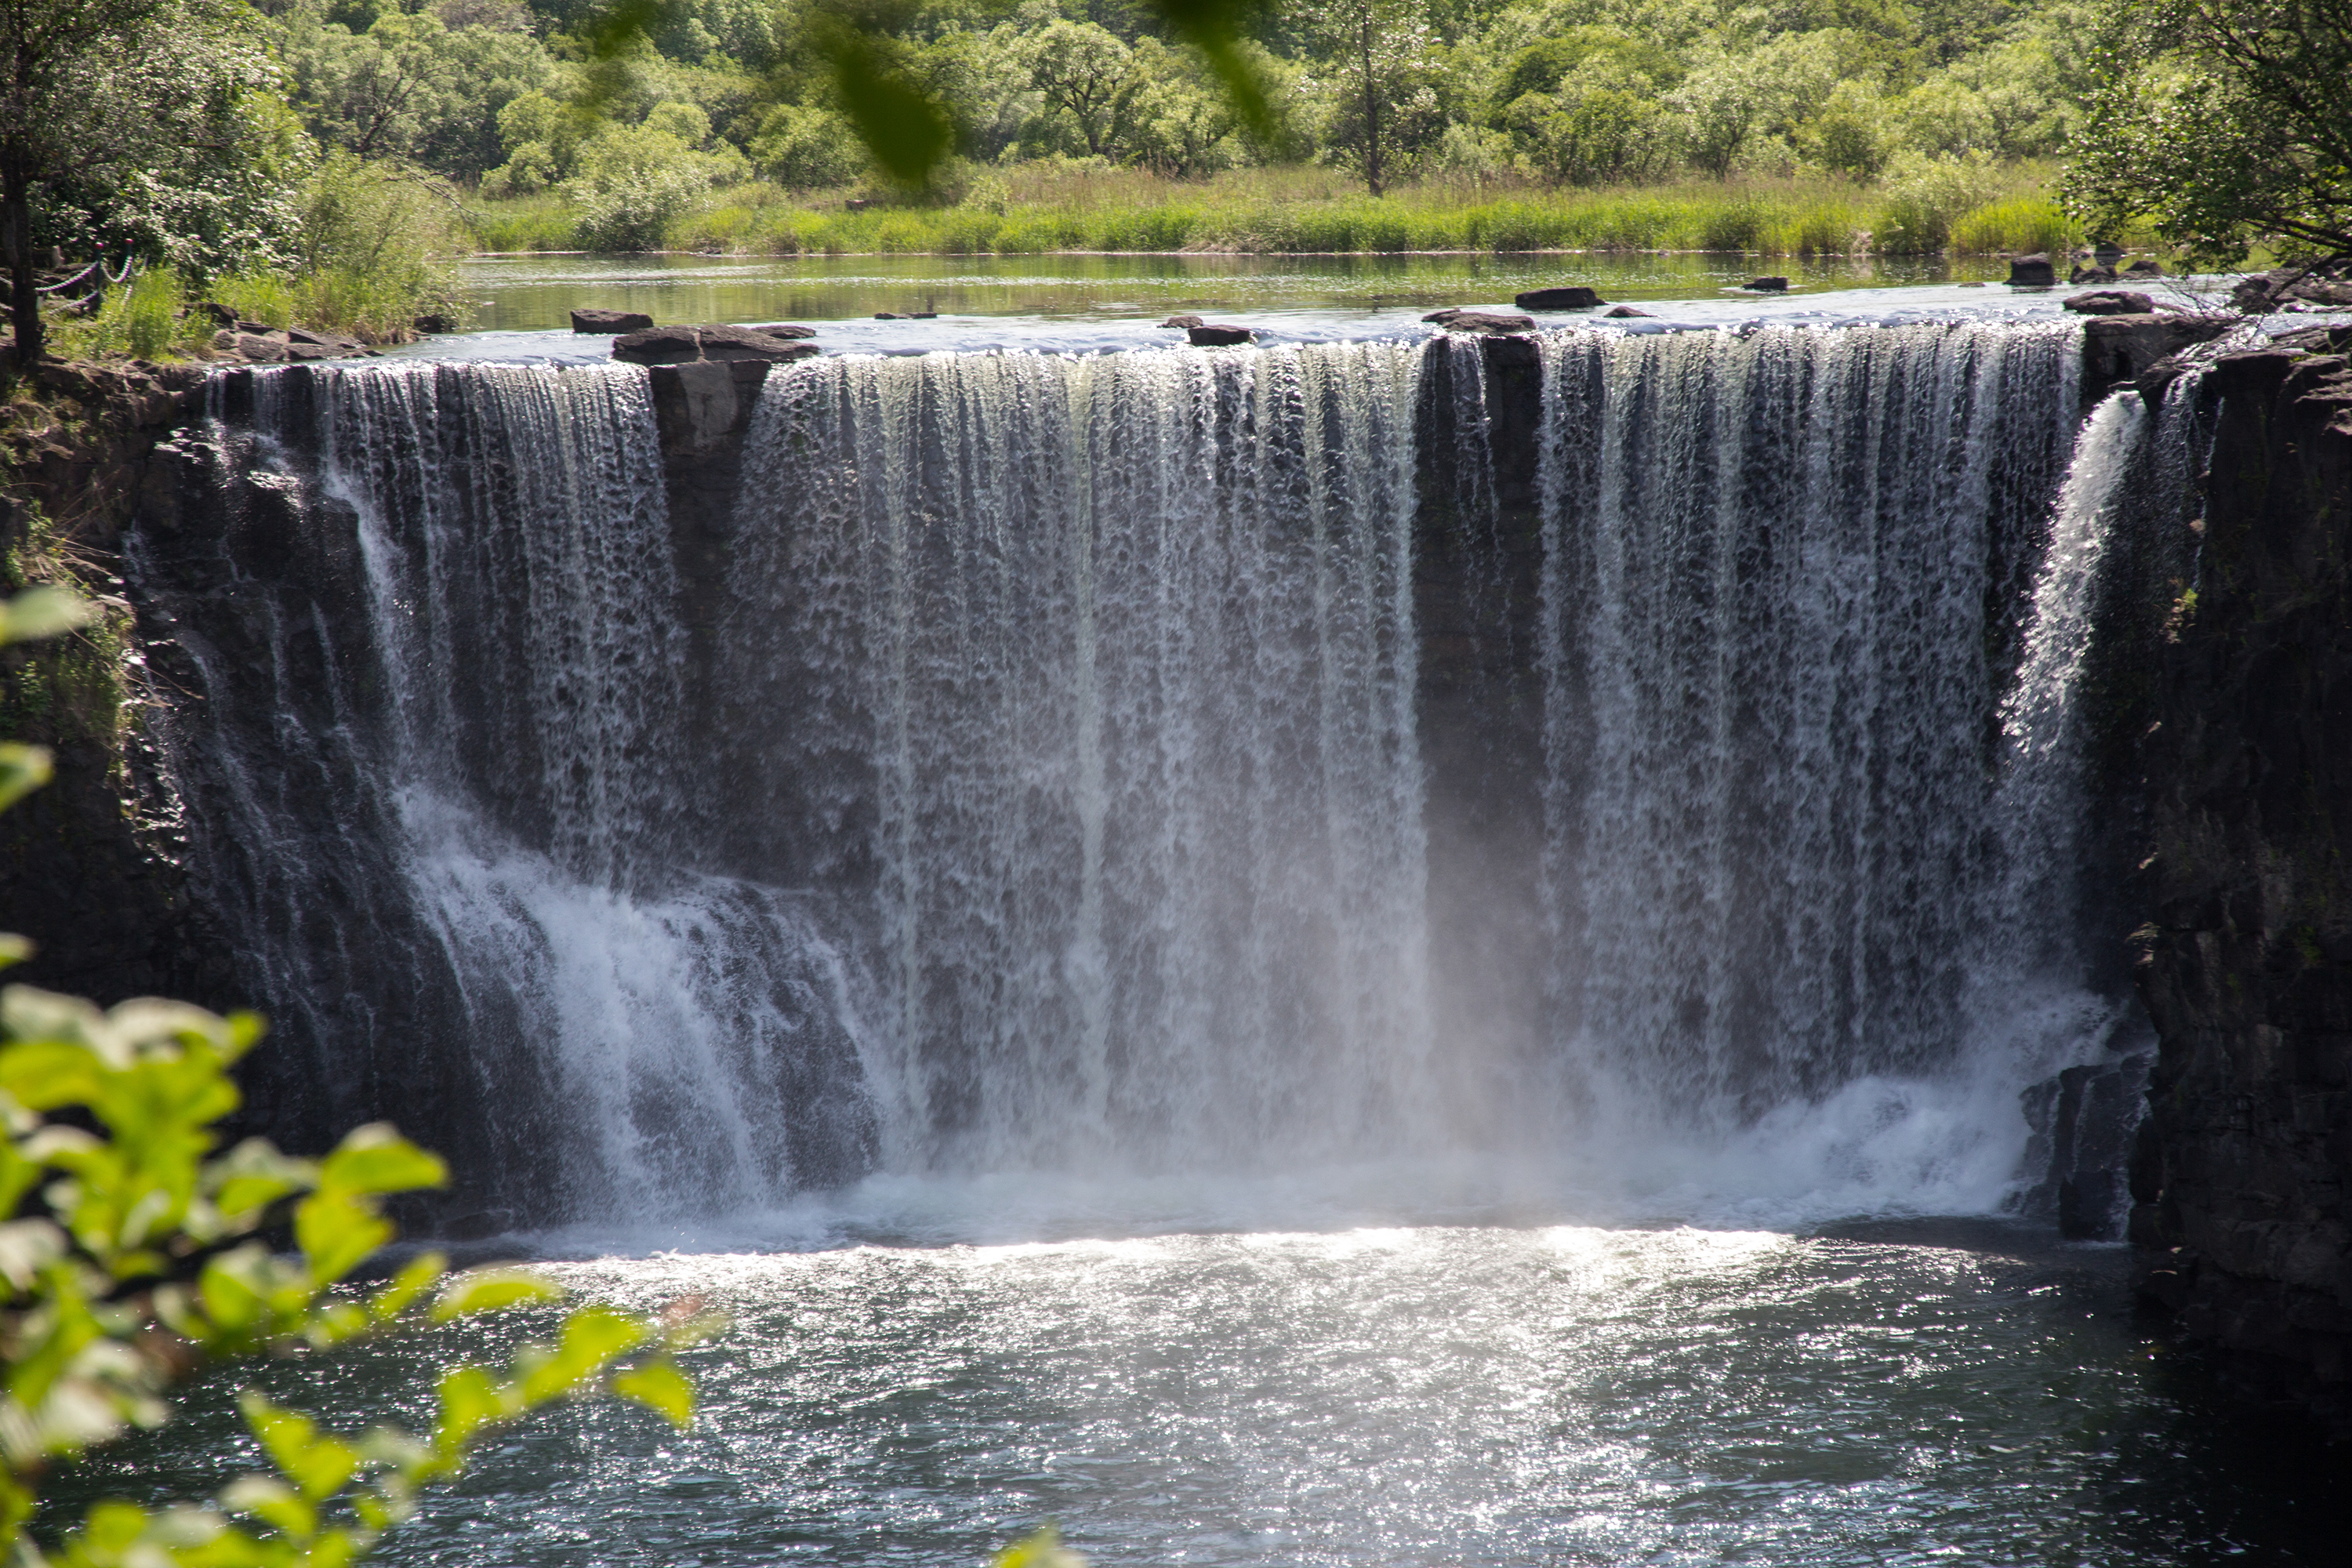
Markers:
{"x": 1034, "y": 209}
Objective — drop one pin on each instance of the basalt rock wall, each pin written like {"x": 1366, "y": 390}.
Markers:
{"x": 92, "y": 865}
{"x": 2240, "y": 1172}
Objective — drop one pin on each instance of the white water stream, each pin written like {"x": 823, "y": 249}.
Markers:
{"x": 1115, "y": 661}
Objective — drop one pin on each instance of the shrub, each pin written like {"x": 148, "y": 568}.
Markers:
{"x": 1738, "y": 227}
{"x": 806, "y": 149}
{"x": 2017, "y": 227}
{"x": 1925, "y": 196}
{"x": 375, "y": 244}
{"x": 634, "y": 182}
{"x": 524, "y": 223}
{"x": 255, "y": 295}
{"x": 142, "y": 318}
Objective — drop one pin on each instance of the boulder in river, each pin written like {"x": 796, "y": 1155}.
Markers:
{"x": 1182, "y": 323}
{"x": 610, "y": 323}
{"x": 752, "y": 343}
{"x": 2146, "y": 266}
{"x": 255, "y": 343}
{"x": 335, "y": 343}
{"x": 1571, "y": 297}
{"x": 2110, "y": 302}
{"x": 2118, "y": 349}
{"x": 781, "y": 330}
{"x": 1211, "y": 334}
{"x": 685, "y": 345}
{"x": 1766, "y": 286}
{"x": 2328, "y": 283}
{"x": 2032, "y": 272}
{"x": 1623, "y": 313}
{"x": 1492, "y": 321}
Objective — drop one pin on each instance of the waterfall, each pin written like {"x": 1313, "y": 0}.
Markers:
{"x": 1035, "y": 763}
{"x": 443, "y": 800}
{"x": 1780, "y": 584}
{"x": 1130, "y": 641}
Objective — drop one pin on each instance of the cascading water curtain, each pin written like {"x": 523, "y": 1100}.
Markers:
{"x": 1782, "y": 588}
{"x": 469, "y": 859}
{"x": 1127, "y": 643}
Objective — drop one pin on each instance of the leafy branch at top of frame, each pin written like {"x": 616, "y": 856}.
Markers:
{"x": 897, "y": 117}
{"x": 132, "y": 1249}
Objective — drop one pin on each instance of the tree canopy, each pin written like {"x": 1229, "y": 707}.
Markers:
{"x": 138, "y": 124}
{"x": 2222, "y": 124}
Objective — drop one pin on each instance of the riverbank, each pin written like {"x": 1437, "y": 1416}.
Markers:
{"x": 1956, "y": 209}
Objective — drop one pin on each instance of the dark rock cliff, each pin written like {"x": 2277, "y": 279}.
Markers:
{"x": 2241, "y": 1170}
{"x": 92, "y": 865}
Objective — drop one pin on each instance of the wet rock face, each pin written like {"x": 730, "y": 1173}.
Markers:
{"x": 2032, "y": 272}
{"x": 1574, "y": 297}
{"x": 92, "y": 865}
{"x": 609, "y": 321}
{"x": 2240, "y": 1219}
{"x": 2120, "y": 347}
{"x": 1490, "y": 321}
{"x": 2111, "y": 303}
{"x": 685, "y": 345}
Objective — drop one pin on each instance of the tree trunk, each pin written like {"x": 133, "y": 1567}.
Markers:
{"x": 16, "y": 240}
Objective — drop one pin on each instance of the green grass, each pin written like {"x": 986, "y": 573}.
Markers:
{"x": 1040, "y": 209}
{"x": 2017, "y": 227}
{"x": 523, "y": 223}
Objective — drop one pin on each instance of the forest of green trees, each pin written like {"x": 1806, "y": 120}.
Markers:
{"x": 513, "y": 100}
{"x": 323, "y": 159}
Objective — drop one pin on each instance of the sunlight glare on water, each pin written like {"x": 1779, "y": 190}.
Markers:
{"x": 1428, "y": 1396}
{"x": 1435, "y": 1394}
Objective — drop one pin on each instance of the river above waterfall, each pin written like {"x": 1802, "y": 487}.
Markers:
{"x": 520, "y": 306}
{"x": 1441, "y": 1395}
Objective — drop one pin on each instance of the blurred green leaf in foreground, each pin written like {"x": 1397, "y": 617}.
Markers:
{"x": 900, "y": 120}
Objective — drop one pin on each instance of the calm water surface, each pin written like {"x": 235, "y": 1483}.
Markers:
{"x": 537, "y": 293}
{"x": 521, "y": 307}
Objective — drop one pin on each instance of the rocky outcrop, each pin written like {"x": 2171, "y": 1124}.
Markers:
{"x": 2032, "y": 272}
{"x": 1211, "y": 335}
{"x": 1572, "y": 296}
{"x": 609, "y": 322}
{"x": 251, "y": 342}
{"x": 2241, "y": 1174}
{"x": 1488, "y": 321}
{"x": 91, "y": 866}
{"x": 1766, "y": 286}
{"x": 2119, "y": 349}
{"x": 685, "y": 345}
{"x": 2110, "y": 302}
{"x": 2325, "y": 285}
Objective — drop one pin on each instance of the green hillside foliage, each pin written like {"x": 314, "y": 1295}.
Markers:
{"x": 732, "y": 124}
